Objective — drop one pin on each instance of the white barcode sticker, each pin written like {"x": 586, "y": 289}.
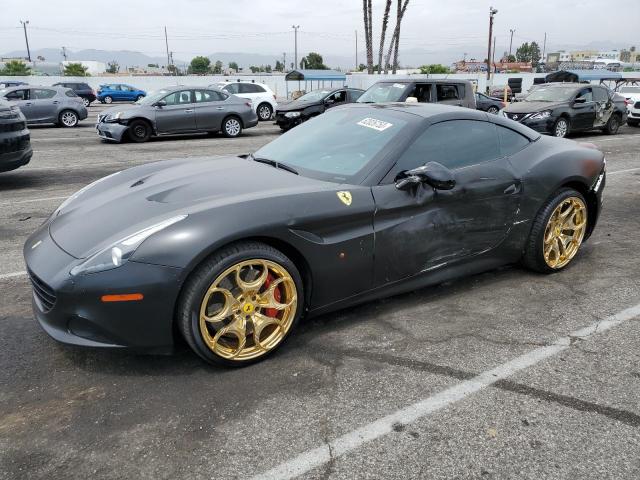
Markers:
{"x": 378, "y": 125}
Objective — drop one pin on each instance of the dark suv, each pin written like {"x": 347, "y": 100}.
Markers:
{"x": 83, "y": 90}
{"x": 15, "y": 145}
{"x": 561, "y": 108}
{"x": 428, "y": 90}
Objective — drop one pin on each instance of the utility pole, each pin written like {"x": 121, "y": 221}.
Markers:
{"x": 166, "y": 43}
{"x": 492, "y": 12}
{"x": 295, "y": 55}
{"x": 64, "y": 53}
{"x": 356, "y": 50}
{"x": 493, "y": 54}
{"x": 284, "y": 62}
{"x": 26, "y": 39}
{"x": 544, "y": 47}
{"x": 512, "y": 30}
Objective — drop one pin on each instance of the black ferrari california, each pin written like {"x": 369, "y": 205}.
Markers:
{"x": 362, "y": 202}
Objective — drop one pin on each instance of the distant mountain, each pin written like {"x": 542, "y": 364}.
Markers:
{"x": 125, "y": 58}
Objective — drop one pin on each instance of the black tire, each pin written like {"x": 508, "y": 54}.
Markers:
{"x": 68, "y": 119}
{"x": 493, "y": 110}
{"x": 231, "y": 127}
{"x": 196, "y": 286}
{"x": 86, "y": 102}
{"x": 265, "y": 111}
{"x": 612, "y": 126}
{"x": 533, "y": 257}
{"x": 139, "y": 131}
{"x": 561, "y": 132}
{"x": 139, "y": 97}
{"x": 108, "y": 100}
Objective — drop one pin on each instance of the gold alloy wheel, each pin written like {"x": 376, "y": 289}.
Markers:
{"x": 248, "y": 309}
{"x": 564, "y": 232}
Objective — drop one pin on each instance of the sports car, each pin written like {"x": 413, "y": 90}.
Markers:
{"x": 362, "y": 202}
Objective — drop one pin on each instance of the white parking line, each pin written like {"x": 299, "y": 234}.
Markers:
{"x": 12, "y": 274}
{"x": 44, "y": 199}
{"x": 623, "y": 171}
{"x": 350, "y": 441}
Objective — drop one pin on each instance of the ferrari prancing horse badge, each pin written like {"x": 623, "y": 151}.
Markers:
{"x": 345, "y": 197}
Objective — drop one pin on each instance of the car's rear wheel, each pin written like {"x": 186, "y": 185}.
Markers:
{"x": 612, "y": 126}
{"x": 86, "y": 102}
{"x": 561, "y": 127}
{"x": 231, "y": 127}
{"x": 139, "y": 97}
{"x": 139, "y": 131}
{"x": 239, "y": 305}
{"x": 108, "y": 99}
{"x": 493, "y": 110}
{"x": 264, "y": 111}
{"x": 68, "y": 119}
{"x": 557, "y": 232}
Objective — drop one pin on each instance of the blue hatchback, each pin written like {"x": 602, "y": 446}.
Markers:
{"x": 119, "y": 92}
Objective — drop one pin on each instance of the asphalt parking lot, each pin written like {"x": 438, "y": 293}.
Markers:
{"x": 507, "y": 374}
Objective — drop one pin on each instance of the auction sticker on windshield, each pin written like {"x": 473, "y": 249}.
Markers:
{"x": 378, "y": 125}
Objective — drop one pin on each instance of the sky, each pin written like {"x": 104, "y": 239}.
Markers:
{"x": 197, "y": 27}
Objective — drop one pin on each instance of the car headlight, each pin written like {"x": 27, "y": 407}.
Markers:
{"x": 292, "y": 114}
{"x": 80, "y": 192}
{"x": 113, "y": 117}
{"x": 541, "y": 115}
{"x": 120, "y": 252}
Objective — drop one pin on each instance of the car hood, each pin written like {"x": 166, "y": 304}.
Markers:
{"x": 296, "y": 105}
{"x": 128, "y": 201}
{"x": 530, "y": 107}
{"x": 126, "y": 109}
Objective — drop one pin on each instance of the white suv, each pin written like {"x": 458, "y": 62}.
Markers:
{"x": 261, "y": 96}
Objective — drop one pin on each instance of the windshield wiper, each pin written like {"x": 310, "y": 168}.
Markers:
{"x": 273, "y": 163}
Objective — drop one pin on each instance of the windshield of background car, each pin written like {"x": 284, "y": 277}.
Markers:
{"x": 337, "y": 146}
{"x": 153, "y": 97}
{"x": 314, "y": 96}
{"x": 383, "y": 92}
{"x": 551, "y": 94}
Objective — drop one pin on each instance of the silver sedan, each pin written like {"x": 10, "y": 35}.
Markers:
{"x": 178, "y": 110}
{"x": 57, "y": 105}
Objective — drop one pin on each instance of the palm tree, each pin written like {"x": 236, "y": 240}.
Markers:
{"x": 385, "y": 21}
{"x": 395, "y": 39}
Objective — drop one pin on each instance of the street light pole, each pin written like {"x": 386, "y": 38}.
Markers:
{"x": 511, "y": 41}
{"x": 26, "y": 39}
{"x": 295, "y": 54}
{"x": 492, "y": 12}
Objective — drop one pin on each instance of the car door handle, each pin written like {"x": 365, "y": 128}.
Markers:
{"x": 56, "y": 102}
{"x": 219, "y": 108}
{"x": 189, "y": 110}
{"x": 28, "y": 104}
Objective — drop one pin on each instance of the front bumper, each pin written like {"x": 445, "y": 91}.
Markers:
{"x": 285, "y": 123}
{"x": 70, "y": 309}
{"x": 15, "y": 150}
{"x": 111, "y": 131}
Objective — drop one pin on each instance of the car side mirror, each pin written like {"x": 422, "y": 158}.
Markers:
{"x": 433, "y": 173}
{"x": 580, "y": 100}
{"x": 160, "y": 103}
{"x": 329, "y": 101}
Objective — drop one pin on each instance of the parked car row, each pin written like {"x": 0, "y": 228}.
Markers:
{"x": 56, "y": 105}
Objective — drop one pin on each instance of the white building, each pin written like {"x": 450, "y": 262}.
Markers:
{"x": 93, "y": 68}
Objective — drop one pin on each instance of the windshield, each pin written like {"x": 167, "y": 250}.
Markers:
{"x": 629, "y": 90}
{"x": 153, "y": 97}
{"x": 383, "y": 92}
{"x": 314, "y": 96}
{"x": 551, "y": 94}
{"x": 338, "y": 145}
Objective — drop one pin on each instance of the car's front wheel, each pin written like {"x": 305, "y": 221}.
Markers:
{"x": 264, "y": 111}
{"x": 231, "y": 127}
{"x": 139, "y": 131}
{"x": 561, "y": 128}
{"x": 557, "y": 232}
{"x": 493, "y": 110}
{"x": 108, "y": 99}
{"x": 239, "y": 305}
{"x": 86, "y": 102}
{"x": 68, "y": 119}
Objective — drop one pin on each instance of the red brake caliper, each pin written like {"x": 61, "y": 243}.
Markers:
{"x": 272, "y": 312}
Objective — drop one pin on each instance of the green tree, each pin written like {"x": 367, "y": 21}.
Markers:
{"x": 511, "y": 58}
{"x": 113, "y": 67}
{"x": 267, "y": 69}
{"x": 75, "y": 70}
{"x": 314, "y": 61}
{"x": 362, "y": 67}
{"x": 217, "y": 68}
{"x": 15, "y": 68}
{"x": 254, "y": 69}
{"x": 200, "y": 65}
{"x": 279, "y": 66}
{"x": 434, "y": 68}
{"x": 153, "y": 65}
{"x": 233, "y": 66}
{"x": 529, "y": 53}
{"x": 535, "y": 54}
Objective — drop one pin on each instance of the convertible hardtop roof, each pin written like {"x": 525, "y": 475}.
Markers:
{"x": 434, "y": 113}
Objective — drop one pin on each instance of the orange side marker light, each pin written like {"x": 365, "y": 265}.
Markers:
{"x": 126, "y": 297}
